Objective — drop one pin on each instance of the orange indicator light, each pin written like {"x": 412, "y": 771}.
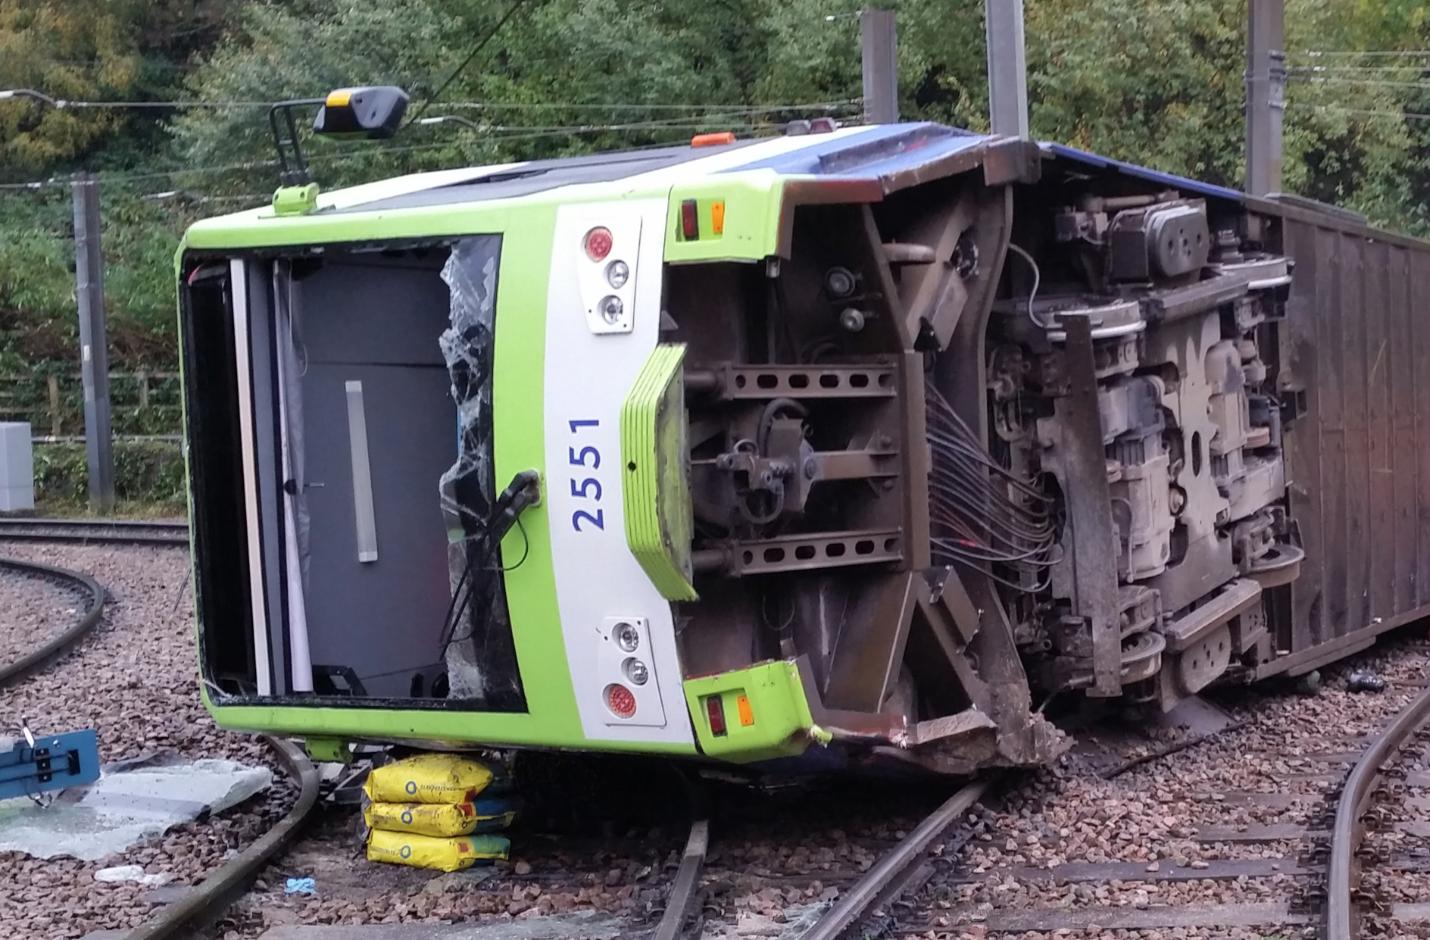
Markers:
{"x": 747, "y": 714}
{"x": 717, "y": 216}
{"x": 715, "y": 139}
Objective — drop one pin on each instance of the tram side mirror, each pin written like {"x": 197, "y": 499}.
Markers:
{"x": 373, "y": 112}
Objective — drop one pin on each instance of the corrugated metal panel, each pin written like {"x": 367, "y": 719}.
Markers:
{"x": 1352, "y": 320}
{"x": 1378, "y": 368}
{"x": 1301, "y": 369}
{"x": 1404, "y": 436}
{"x": 1359, "y": 459}
{"x": 1419, "y": 274}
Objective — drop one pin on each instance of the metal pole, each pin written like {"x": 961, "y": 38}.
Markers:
{"x": 1265, "y": 93}
{"x": 1007, "y": 67}
{"x": 93, "y": 344}
{"x": 881, "y": 79}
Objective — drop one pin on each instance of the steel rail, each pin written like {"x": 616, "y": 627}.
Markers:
{"x": 56, "y": 645}
{"x": 216, "y": 892}
{"x": 870, "y": 889}
{"x": 95, "y": 531}
{"x": 96, "y": 521}
{"x": 220, "y": 889}
{"x": 1347, "y": 832}
{"x": 687, "y": 878}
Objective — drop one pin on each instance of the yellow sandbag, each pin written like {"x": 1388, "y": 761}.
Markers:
{"x": 428, "y": 778}
{"x": 439, "y": 819}
{"x": 405, "y": 848}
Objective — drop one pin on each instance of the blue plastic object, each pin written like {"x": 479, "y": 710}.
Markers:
{"x": 300, "y": 886}
{"x": 49, "y": 762}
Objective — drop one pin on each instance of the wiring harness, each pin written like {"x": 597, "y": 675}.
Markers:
{"x": 982, "y": 514}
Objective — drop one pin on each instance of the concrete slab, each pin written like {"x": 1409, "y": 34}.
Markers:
{"x": 1277, "y": 832}
{"x": 1166, "y": 870}
{"x": 121, "y": 809}
{"x": 1219, "y": 916}
{"x": 1410, "y": 912}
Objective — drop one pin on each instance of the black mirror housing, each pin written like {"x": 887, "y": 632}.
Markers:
{"x": 373, "y": 112}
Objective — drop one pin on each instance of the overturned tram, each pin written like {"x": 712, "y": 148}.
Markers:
{"x": 839, "y": 447}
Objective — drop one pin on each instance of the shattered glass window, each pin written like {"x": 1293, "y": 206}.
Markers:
{"x": 480, "y": 654}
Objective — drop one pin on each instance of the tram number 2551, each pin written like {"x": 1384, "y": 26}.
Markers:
{"x": 585, "y": 458}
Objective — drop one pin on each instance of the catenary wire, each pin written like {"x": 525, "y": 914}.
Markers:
{"x": 1372, "y": 82}
{"x": 1364, "y": 53}
{"x": 362, "y": 153}
{"x": 1407, "y": 115}
{"x": 480, "y": 45}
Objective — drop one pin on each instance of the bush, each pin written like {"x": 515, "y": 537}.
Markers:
{"x": 150, "y": 473}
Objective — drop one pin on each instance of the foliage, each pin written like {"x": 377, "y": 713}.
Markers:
{"x": 149, "y": 472}
{"x": 37, "y": 307}
{"x": 86, "y": 51}
{"x": 1158, "y": 83}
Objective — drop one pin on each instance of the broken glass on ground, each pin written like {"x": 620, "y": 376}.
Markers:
{"x": 126, "y": 806}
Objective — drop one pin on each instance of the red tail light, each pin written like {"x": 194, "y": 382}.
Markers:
{"x": 620, "y": 700}
{"x": 598, "y": 243}
{"x": 715, "y": 711}
{"x": 689, "y": 220}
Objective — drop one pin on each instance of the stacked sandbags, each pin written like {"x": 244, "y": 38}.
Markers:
{"x": 436, "y": 811}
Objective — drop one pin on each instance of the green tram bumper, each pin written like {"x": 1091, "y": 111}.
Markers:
{"x": 765, "y": 710}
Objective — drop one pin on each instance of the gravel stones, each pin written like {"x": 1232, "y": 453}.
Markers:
{"x": 33, "y": 609}
{"x": 1281, "y": 767}
{"x": 133, "y": 679}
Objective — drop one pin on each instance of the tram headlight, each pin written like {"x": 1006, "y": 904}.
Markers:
{"x": 636, "y": 671}
{"x": 627, "y": 637}
{"x": 611, "y": 309}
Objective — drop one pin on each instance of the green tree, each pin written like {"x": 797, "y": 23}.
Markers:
{"x": 92, "y": 51}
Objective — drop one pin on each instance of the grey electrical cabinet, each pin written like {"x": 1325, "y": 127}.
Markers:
{"x": 17, "y": 467}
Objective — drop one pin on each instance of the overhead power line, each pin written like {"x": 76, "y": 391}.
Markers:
{"x": 178, "y": 105}
{"x": 737, "y": 120}
{"x": 1366, "y": 53}
{"x": 649, "y": 106}
{"x": 1359, "y": 69}
{"x": 481, "y": 44}
{"x": 1408, "y": 115}
{"x": 1374, "y": 82}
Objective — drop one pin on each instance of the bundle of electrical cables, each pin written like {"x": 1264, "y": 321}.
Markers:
{"x": 982, "y": 514}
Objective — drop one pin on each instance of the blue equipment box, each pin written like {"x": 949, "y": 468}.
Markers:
{"x": 50, "y": 762}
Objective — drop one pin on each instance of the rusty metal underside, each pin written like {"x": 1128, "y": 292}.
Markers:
{"x": 995, "y": 436}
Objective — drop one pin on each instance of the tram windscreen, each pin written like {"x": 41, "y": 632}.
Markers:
{"x": 363, "y": 435}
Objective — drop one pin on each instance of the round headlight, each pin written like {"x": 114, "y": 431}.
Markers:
{"x": 635, "y": 671}
{"x": 617, "y": 273}
{"x": 611, "y": 308}
{"x": 627, "y": 637}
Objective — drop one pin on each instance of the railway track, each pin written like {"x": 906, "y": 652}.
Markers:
{"x": 1344, "y": 919}
{"x": 902, "y": 892}
{"x": 1253, "y": 833}
{"x": 209, "y": 898}
{"x": 83, "y": 585}
{"x": 95, "y": 531}
{"x": 1315, "y": 886}
{"x": 900, "y": 872}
